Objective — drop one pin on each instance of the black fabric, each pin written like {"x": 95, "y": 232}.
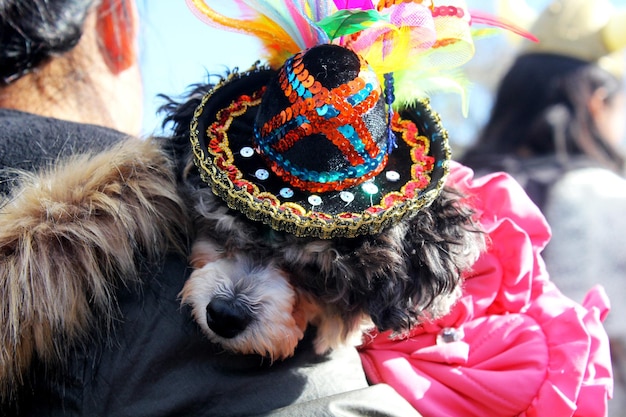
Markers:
{"x": 377, "y": 400}
{"x": 160, "y": 365}
{"x": 156, "y": 362}
{"x": 29, "y": 142}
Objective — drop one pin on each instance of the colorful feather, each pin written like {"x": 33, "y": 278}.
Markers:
{"x": 482, "y": 18}
{"x": 412, "y": 85}
{"x": 304, "y": 26}
{"x": 348, "y": 22}
{"x": 419, "y": 44}
{"x": 282, "y": 26}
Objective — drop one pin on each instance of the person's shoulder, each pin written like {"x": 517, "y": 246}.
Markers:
{"x": 29, "y": 142}
{"x": 34, "y": 127}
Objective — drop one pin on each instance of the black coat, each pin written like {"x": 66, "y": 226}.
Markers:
{"x": 153, "y": 360}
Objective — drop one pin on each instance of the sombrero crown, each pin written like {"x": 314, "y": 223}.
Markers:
{"x": 312, "y": 144}
{"x": 323, "y": 130}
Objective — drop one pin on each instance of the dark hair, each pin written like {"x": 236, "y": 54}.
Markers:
{"x": 33, "y": 31}
{"x": 541, "y": 109}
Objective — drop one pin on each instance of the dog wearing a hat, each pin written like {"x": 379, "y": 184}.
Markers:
{"x": 315, "y": 205}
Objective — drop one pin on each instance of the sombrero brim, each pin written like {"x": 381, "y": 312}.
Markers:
{"x": 222, "y": 137}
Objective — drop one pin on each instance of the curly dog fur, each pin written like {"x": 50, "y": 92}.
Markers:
{"x": 408, "y": 273}
{"x": 68, "y": 237}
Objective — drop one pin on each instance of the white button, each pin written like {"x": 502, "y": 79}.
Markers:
{"x": 286, "y": 192}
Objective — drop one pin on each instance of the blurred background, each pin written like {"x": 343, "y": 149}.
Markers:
{"x": 178, "y": 50}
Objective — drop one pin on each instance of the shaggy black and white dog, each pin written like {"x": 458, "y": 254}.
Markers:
{"x": 255, "y": 289}
{"x": 73, "y": 234}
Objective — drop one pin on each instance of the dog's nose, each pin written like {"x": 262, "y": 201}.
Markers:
{"x": 226, "y": 318}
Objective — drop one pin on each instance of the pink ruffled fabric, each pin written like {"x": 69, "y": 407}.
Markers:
{"x": 521, "y": 347}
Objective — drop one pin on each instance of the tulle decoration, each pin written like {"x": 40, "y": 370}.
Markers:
{"x": 513, "y": 345}
{"x": 390, "y": 47}
{"x": 432, "y": 64}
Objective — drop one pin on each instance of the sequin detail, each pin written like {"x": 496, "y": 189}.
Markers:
{"x": 336, "y": 114}
{"x": 346, "y": 196}
{"x": 246, "y": 152}
{"x": 286, "y": 192}
{"x": 392, "y": 176}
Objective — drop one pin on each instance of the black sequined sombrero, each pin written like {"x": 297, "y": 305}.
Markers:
{"x": 312, "y": 144}
{"x": 306, "y": 148}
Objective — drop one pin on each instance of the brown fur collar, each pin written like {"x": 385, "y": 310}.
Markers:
{"x": 69, "y": 236}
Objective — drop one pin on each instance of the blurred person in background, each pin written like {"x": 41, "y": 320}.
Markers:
{"x": 557, "y": 125}
{"x": 90, "y": 317}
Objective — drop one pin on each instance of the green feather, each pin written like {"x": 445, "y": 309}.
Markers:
{"x": 346, "y": 22}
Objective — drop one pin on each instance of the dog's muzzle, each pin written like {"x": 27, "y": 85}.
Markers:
{"x": 227, "y": 318}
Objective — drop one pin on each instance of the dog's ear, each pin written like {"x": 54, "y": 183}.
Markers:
{"x": 435, "y": 247}
{"x": 204, "y": 252}
{"x": 442, "y": 242}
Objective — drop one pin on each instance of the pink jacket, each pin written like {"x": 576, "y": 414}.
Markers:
{"x": 513, "y": 345}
